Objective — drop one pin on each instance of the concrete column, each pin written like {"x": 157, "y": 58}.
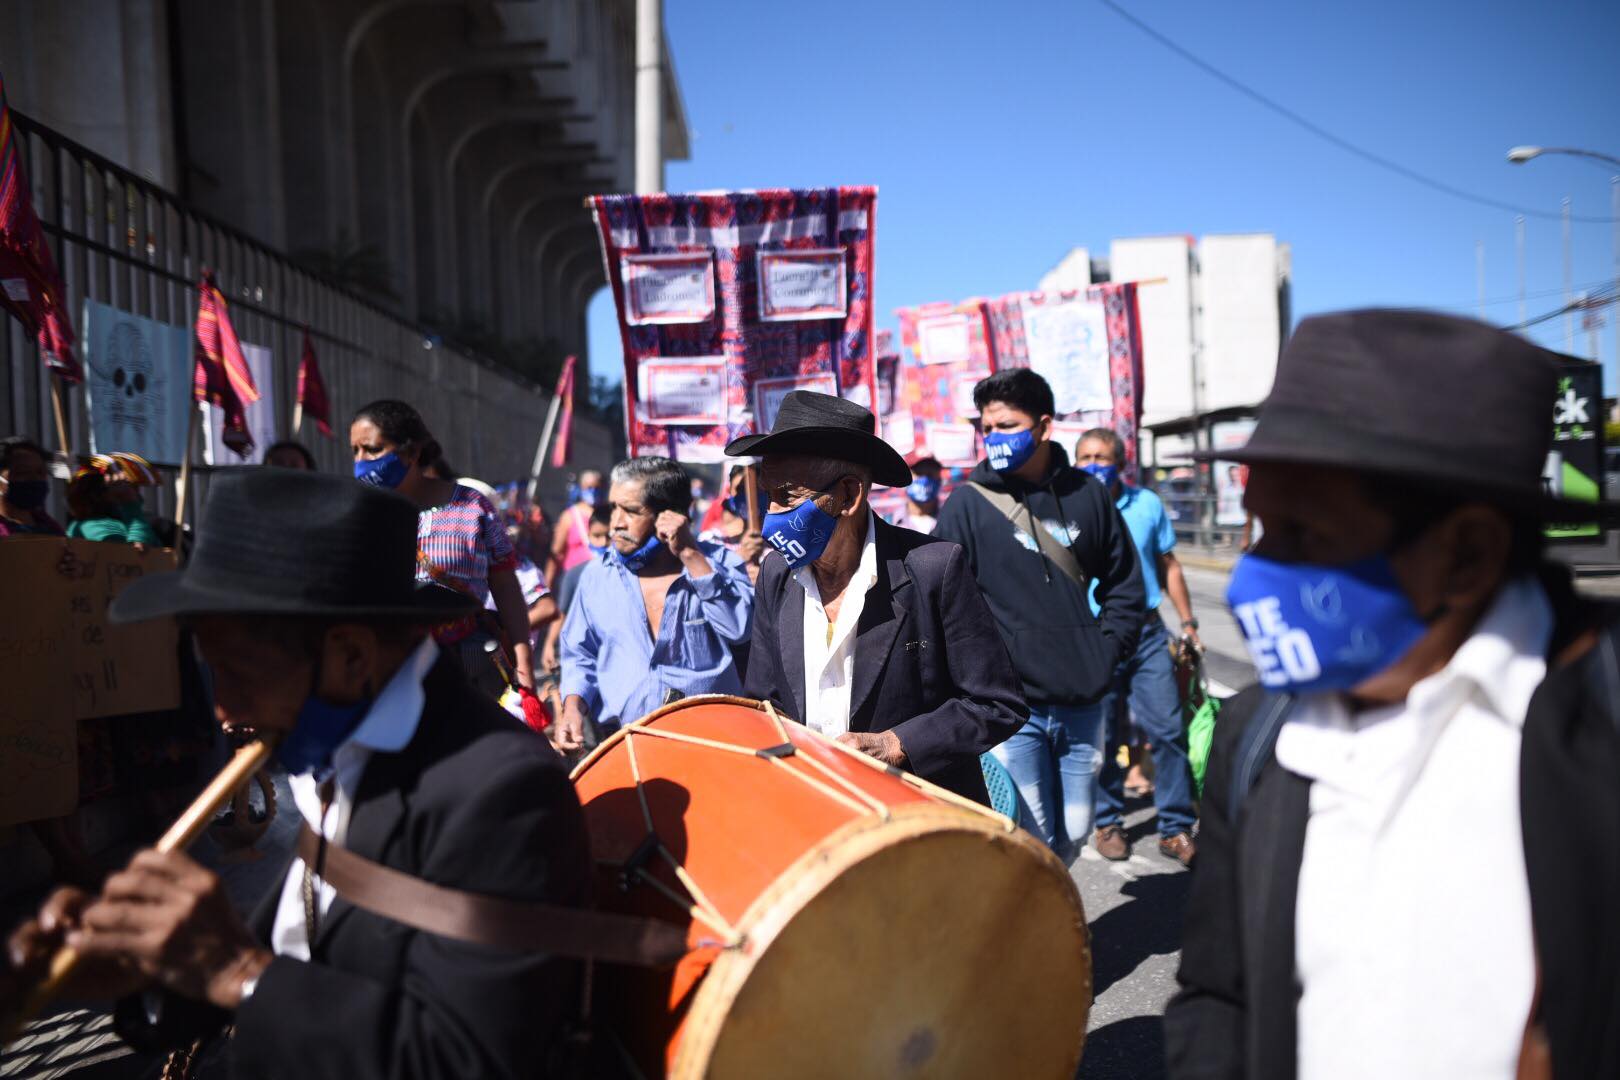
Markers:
{"x": 649, "y": 96}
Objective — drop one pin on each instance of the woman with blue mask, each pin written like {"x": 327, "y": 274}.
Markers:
{"x": 24, "y": 488}
{"x": 461, "y": 540}
{"x": 570, "y": 542}
{"x": 922, "y": 495}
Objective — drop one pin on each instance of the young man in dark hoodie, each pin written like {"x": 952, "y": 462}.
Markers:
{"x": 1037, "y": 533}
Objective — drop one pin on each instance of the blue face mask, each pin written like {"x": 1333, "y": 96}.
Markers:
{"x": 738, "y": 504}
{"x": 1008, "y": 450}
{"x": 590, "y": 496}
{"x": 800, "y": 534}
{"x": 387, "y": 471}
{"x": 1108, "y": 474}
{"x": 28, "y": 494}
{"x": 923, "y": 489}
{"x": 1321, "y": 627}
{"x": 320, "y": 730}
{"x": 597, "y": 549}
{"x": 634, "y": 561}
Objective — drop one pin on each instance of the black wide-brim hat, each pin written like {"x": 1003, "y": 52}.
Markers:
{"x": 1448, "y": 404}
{"x": 824, "y": 426}
{"x": 291, "y": 542}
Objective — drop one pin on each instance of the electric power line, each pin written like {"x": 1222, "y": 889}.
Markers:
{"x": 1323, "y": 133}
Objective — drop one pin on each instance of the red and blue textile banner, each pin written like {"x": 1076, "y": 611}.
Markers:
{"x": 1088, "y": 345}
{"x": 728, "y": 300}
{"x": 221, "y": 376}
{"x": 949, "y": 351}
{"x": 30, "y": 287}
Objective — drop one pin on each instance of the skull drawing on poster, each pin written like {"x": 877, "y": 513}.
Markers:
{"x": 129, "y": 384}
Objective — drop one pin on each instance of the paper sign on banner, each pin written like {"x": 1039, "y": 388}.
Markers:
{"x": 952, "y": 444}
{"x": 666, "y": 289}
{"x": 138, "y": 382}
{"x": 260, "y": 415}
{"x": 802, "y": 284}
{"x": 900, "y": 432}
{"x": 1066, "y": 433}
{"x": 962, "y": 393}
{"x": 944, "y": 340}
{"x": 1068, "y": 347}
{"x": 685, "y": 391}
{"x": 768, "y": 395}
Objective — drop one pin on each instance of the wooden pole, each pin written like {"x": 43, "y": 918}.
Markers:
{"x": 545, "y": 442}
{"x": 61, "y": 418}
{"x": 751, "y": 493}
{"x": 182, "y": 490}
{"x": 298, "y": 418}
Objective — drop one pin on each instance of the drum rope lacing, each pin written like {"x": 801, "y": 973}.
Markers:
{"x": 852, "y": 797}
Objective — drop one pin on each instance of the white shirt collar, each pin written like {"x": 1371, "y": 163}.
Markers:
{"x": 865, "y": 575}
{"x": 1506, "y": 656}
{"x": 391, "y": 722}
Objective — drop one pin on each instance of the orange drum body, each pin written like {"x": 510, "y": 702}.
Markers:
{"x": 844, "y": 920}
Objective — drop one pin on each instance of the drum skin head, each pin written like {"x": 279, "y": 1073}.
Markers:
{"x": 931, "y": 945}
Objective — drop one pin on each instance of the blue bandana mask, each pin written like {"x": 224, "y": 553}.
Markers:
{"x": 923, "y": 489}
{"x": 800, "y": 534}
{"x": 1321, "y": 627}
{"x": 320, "y": 730}
{"x": 1008, "y": 450}
{"x": 634, "y": 561}
{"x": 1108, "y": 474}
{"x": 387, "y": 471}
{"x": 590, "y": 496}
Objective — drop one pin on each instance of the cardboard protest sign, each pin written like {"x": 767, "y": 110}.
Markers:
{"x": 777, "y": 283}
{"x": 63, "y": 661}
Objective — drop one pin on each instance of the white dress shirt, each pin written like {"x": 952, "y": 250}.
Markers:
{"x": 1413, "y": 942}
{"x": 829, "y": 659}
{"x": 389, "y": 725}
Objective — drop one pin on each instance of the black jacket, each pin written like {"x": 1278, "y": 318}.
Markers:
{"x": 1235, "y": 1015}
{"x": 474, "y": 802}
{"x": 927, "y": 664}
{"x": 1063, "y": 654}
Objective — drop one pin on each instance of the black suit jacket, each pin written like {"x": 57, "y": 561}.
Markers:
{"x": 474, "y": 802}
{"x": 1235, "y": 1015}
{"x": 929, "y": 663}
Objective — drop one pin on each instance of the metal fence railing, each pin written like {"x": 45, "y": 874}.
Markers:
{"x": 123, "y": 241}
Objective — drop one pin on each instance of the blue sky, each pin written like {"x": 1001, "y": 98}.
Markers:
{"x": 1002, "y": 135}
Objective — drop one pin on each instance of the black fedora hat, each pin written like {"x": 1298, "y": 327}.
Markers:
{"x": 825, "y": 426}
{"x": 290, "y": 542}
{"x": 1447, "y": 403}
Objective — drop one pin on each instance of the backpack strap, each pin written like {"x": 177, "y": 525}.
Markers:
{"x": 1254, "y": 749}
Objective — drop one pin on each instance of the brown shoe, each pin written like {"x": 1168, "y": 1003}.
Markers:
{"x": 1179, "y": 847}
{"x": 1110, "y": 843}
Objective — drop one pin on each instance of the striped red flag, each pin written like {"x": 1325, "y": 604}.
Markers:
{"x": 222, "y": 377}
{"x": 30, "y": 287}
{"x": 565, "y": 426}
{"x": 312, "y": 389}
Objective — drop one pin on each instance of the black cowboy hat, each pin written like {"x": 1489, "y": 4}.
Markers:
{"x": 1449, "y": 404}
{"x": 290, "y": 542}
{"x": 824, "y": 426}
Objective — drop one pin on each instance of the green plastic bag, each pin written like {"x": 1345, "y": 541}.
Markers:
{"x": 1200, "y": 736}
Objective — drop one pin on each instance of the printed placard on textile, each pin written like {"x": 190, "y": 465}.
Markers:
{"x": 690, "y": 390}
{"x": 952, "y": 444}
{"x": 768, "y": 394}
{"x": 807, "y": 283}
{"x": 944, "y": 339}
{"x": 1067, "y": 341}
{"x": 668, "y": 289}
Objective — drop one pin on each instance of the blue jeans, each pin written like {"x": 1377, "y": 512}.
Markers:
{"x": 1053, "y": 761}
{"x": 1148, "y": 683}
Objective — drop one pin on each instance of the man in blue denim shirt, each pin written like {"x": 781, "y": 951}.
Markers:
{"x": 1145, "y": 678}
{"x": 655, "y": 576}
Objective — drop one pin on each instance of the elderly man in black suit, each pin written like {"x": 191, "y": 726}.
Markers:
{"x": 871, "y": 634}
{"x": 302, "y": 598}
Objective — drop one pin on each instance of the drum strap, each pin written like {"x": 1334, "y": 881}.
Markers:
{"x": 494, "y": 921}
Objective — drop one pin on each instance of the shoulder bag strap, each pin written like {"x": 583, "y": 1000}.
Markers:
{"x": 492, "y": 921}
{"x": 1061, "y": 555}
{"x": 1254, "y": 749}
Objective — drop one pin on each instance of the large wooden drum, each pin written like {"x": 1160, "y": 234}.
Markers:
{"x": 844, "y": 919}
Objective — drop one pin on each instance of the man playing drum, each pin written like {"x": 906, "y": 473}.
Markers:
{"x": 871, "y": 634}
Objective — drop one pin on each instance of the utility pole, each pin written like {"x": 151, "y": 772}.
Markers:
{"x": 1518, "y": 241}
{"x": 1479, "y": 279}
{"x": 1569, "y": 285}
{"x": 1614, "y": 305}
{"x": 649, "y": 96}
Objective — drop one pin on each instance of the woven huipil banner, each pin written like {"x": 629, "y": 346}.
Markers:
{"x": 1088, "y": 345}
{"x": 950, "y": 351}
{"x": 728, "y": 301}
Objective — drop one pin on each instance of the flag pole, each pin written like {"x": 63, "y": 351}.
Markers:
{"x": 298, "y": 416}
{"x": 545, "y": 441}
{"x": 751, "y": 493}
{"x": 61, "y": 418}
{"x": 183, "y": 488}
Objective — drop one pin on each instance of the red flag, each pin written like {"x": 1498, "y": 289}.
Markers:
{"x": 312, "y": 389}
{"x": 565, "y": 428}
{"x": 222, "y": 377}
{"x": 30, "y": 287}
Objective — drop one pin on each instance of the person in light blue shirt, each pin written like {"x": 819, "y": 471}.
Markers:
{"x": 655, "y": 576}
{"x": 1145, "y": 679}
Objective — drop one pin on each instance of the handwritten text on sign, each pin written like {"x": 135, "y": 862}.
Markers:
{"x": 802, "y": 284}
{"x": 663, "y": 289}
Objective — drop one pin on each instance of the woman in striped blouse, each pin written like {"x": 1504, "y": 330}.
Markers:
{"x": 461, "y": 542}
